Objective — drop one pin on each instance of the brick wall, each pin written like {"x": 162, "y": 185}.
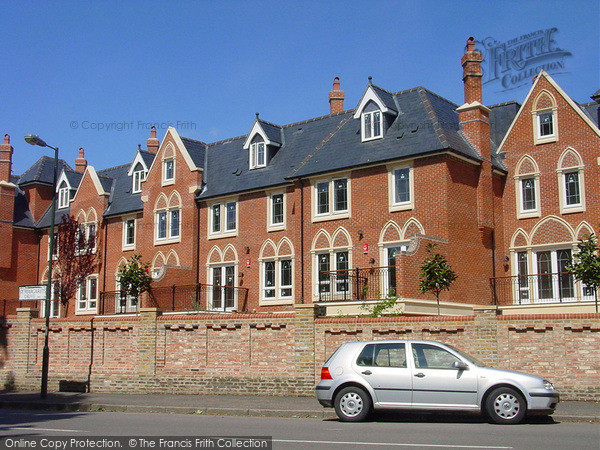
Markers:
{"x": 279, "y": 354}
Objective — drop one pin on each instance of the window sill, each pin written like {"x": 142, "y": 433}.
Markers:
{"x": 227, "y": 234}
{"x": 545, "y": 139}
{"x": 572, "y": 209}
{"x": 271, "y": 228}
{"x": 277, "y": 302}
{"x": 86, "y": 312}
{"x": 372, "y": 138}
{"x": 128, "y": 248}
{"x": 167, "y": 241}
{"x": 334, "y": 216}
{"x": 401, "y": 207}
{"x": 528, "y": 215}
{"x": 168, "y": 182}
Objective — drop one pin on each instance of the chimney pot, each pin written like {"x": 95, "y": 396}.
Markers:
{"x": 81, "y": 162}
{"x": 152, "y": 142}
{"x": 6, "y": 152}
{"x": 336, "y": 97}
{"x": 6, "y": 139}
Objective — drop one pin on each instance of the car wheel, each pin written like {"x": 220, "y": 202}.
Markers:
{"x": 505, "y": 406}
{"x": 352, "y": 404}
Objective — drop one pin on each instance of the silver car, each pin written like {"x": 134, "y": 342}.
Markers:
{"x": 427, "y": 375}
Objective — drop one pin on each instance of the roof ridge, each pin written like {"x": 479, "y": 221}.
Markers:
{"x": 346, "y": 111}
{"x": 190, "y": 139}
{"x": 384, "y": 90}
{"x": 434, "y": 118}
{"x": 405, "y": 91}
{"x": 439, "y": 96}
{"x": 588, "y": 103}
{"x": 503, "y": 104}
{"x": 115, "y": 167}
{"x": 269, "y": 123}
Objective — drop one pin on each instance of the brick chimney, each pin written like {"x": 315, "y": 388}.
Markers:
{"x": 152, "y": 142}
{"x": 474, "y": 119}
{"x": 81, "y": 162}
{"x": 336, "y": 97}
{"x": 6, "y": 151}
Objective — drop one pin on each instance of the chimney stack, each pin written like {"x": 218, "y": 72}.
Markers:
{"x": 336, "y": 97}
{"x": 152, "y": 143}
{"x": 80, "y": 162}
{"x": 474, "y": 119}
{"x": 6, "y": 151}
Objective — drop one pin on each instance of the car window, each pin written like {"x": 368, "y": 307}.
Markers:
{"x": 383, "y": 355}
{"x": 432, "y": 357}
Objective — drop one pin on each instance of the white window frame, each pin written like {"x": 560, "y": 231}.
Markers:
{"x": 169, "y": 237}
{"x": 332, "y": 214}
{"x": 223, "y": 231}
{"x": 278, "y": 298}
{"x": 166, "y": 181}
{"x": 210, "y": 275}
{"x": 139, "y": 176}
{"x": 254, "y": 163}
{"x": 90, "y": 305}
{"x": 395, "y": 205}
{"x": 271, "y": 226}
{"x": 87, "y": 226}
{"x": 126, "y": 245}
{"x": 562, "y": 189}
{"x": 131, "y": 303}
{"x": 333, "y": 265}
{"x": 363, "y": 130}
{"x": 55, "y": 306}
{"x": 538, "y": 138}
{"x": 63, "y": 195}
{"x": 527, "y": 213}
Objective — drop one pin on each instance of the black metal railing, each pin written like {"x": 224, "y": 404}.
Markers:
{"x": 370, "y": 283}
{"x": 184, "y": 298}
{"x": 542, "y": 288}
{"x": 8, "y": 307}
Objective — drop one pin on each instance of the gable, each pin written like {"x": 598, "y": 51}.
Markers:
{"x": 90, "y": 181}
{"x": 373, "y": 96}
{"x": 180, "y": 147}
{"x": 538, "y": 98}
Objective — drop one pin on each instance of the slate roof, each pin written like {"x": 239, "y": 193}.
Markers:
{"x": 592, "y": 110}
{"x": 196, "y": 149}
{"x": 22, "y": 216}
{"x": 42, "y": 171}
{"x": 148, "y": 157}
{"x": 73, "y": 177}
{"x": 501, "y": 117}
{"x": 272, "y": 131}
{"x": 44, "y": 221}
{"x": 386, "y": 97}
{"x": 121, "y": 200}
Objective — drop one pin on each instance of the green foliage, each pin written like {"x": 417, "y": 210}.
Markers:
{"x": 436, "y": 274}
{"x": 585, "y": 264}
{"x": 385, "y": 306}
{"x": 135, "y": 277}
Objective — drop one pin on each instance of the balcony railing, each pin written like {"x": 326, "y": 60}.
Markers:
{"x": 542, "y": 288}
{"x": 183, "y": 298}
{"x": 371, "y": 283}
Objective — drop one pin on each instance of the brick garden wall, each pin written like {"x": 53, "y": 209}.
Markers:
{"x": 279, "y": 354}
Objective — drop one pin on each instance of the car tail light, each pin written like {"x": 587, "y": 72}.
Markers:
{"x": 325, "y": 375}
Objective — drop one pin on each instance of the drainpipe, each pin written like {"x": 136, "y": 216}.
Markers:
{"x": 302, "y": 240}
{"x": 197, "y": 243}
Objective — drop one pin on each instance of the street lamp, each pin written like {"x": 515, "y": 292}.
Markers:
{"x": 36, "y": 140}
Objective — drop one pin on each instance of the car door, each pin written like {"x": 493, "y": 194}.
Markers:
{"x": 384, "y": 366}
{"x": 436, "y": 383}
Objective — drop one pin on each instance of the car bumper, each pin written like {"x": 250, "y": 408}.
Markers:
{"x": 543, "y": 403}
{"x": 324, "y": 393}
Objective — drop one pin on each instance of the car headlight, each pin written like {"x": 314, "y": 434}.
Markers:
{"x": 548, "y": 385}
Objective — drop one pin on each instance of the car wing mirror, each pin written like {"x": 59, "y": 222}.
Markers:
{"x": 460, "y": 365}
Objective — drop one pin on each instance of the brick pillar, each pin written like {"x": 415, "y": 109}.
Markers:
{"x": 304, "y": 339}
{"x": 147, "y": 340}
{"x": 486, "y": 334}
{"x": 19, "y": 353}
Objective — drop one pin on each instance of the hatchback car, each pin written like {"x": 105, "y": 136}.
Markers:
{"x": 427, "y": 375}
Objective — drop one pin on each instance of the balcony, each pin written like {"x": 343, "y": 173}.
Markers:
{"x": 545, "y": 288}
{"x": 371, "y": 283}
{"x": 186, "y": 298}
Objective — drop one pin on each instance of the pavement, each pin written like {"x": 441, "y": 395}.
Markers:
{"x": 232, "y": 405}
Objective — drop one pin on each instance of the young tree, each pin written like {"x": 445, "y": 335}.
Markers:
{"x": 134, "y": 277}
{"x": 585, "y": 264}
{"x": 436, "y": 274}
{"x": 76, "y": 257}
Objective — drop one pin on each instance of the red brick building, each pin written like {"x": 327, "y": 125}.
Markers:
{"x": 335, "y": 210}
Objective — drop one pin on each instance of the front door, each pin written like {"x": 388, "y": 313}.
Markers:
{"x": 222, "y": 291}
{"x": 436, "y": 383}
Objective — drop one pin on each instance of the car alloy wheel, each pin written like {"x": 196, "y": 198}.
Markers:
{"x": 505, "y": 406}
{"x": 352, "y": 404}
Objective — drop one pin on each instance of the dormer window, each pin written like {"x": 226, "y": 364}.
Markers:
{"x": 371, "y": 128}
{"x": 139, "y": 175}
{"x": 257, "y": 155}
{"x": 63, "y": 195}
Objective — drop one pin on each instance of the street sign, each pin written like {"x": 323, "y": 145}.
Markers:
{"x": 32, "y": 292}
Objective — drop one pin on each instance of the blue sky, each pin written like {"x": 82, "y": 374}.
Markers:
{"x": 69, "y": 68}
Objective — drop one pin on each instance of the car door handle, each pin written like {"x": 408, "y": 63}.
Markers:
{"x": 367, "y": 372}
{"x": 419, "y": 375}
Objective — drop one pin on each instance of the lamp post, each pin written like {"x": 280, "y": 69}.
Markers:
{"x": 36, "y": 140}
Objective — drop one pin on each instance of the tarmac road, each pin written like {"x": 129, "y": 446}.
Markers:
{"x": 387, "y": 431}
